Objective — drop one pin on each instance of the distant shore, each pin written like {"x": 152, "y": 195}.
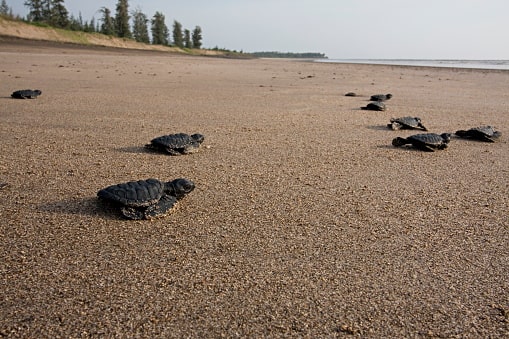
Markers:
{"x": 498, "y": 65}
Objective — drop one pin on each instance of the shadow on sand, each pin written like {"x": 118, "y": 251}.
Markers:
{"x": 133, "y": 149}
{"x": 90, "y": 206}
{"x": 379, "y": 128}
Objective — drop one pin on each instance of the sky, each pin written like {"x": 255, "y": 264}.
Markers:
{"x": 342, "y": 29}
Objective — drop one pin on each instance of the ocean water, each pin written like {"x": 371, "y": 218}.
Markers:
{"x": 479, "y": 64}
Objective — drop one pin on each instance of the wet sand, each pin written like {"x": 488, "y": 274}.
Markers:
{"x": 305, "y": 220}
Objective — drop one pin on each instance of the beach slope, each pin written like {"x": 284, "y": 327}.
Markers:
{"x": 305, "y": 220}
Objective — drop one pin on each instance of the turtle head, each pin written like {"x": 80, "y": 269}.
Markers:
{"x": 388, "y": 96}
{"x": 446, "y": 137}
{"x": 198, "y": 137}
{"x": 179, "y": 187}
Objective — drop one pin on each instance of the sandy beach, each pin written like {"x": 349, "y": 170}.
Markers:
{"x": 305, "y": 220}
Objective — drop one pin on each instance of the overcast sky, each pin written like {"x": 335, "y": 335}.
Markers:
{"x": 342, "y": 29}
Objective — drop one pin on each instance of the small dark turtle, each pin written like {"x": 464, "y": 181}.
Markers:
{"x": 375, "y": 106}
{"x": 406, "y": 123}
{"x": 482, "y": 133}
{"x": 177, "y": 144}
{"x": 146, "y": 199}
{"x": 350, "y": 94}
{"x": 26, "y": 94}
{"x": 428, "y": 142}
{"x": 380, "y": 97}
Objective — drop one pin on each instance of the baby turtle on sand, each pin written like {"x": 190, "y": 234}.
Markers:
{"x": 177, "y": 144}
{"x": 482, "y": 133}
{"x": 26, "y": 94}
{"x": 350, "y": 94}
{"x": 375, "y": 106}
{"x": 146, "y": 199}
{"x": 428, "y": 142}
{"x": 406, "y": 123}
{"x": 380, "y": 97}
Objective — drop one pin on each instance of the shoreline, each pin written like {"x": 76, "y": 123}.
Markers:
{"x": 431, "y": 64}
{"x": 15, "y": 42}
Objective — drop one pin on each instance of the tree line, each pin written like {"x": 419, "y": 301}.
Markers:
{"x": 5, "y": 10}
{"x": 310, "y": 55}
{"x": 123, "y": 24}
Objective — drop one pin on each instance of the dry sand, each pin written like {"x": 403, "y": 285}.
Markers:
{"x": 305, "y": 222}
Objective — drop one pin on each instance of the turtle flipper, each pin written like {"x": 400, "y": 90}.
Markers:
{"x": 486, "y": 138}
{"x": 399, "y": 141}
{"x": 163, "y": 206}
{"x": 133, "y": 213}
{"x": 172, "y": 151}
{"x": 395, "y": 125}
{"x": 490, "y": 138}
{"x": 191, "y": 148}
{"x": 422, "y": 127}
{"x": 423, "y": 146}
{"x": 461, "y": 133}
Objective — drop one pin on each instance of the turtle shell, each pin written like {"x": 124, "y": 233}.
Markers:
{"x": 486, "y": 133}
{"x": 426, "y": 142}
{"x": 375, "y": 106}
{"x": 179, "y": 140}
{"x": 406, "y": 122}
{"x": 139, "y": 193}
{"x": 26, "y": 94}
{"x": 430, "y": 139}
{"x": 380, "y": 97}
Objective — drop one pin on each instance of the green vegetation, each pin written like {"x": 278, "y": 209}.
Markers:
{"x": 54, "y": 14}
{"x": 196, "y": 37}
{"x": 159, "y": 30}
{"x": 178, "y": 39}
{"x": 140, "y": 31}
{"x": 4, "y": 8}
{"x": 309, "y": 55}
{"x": 122, "y": 29}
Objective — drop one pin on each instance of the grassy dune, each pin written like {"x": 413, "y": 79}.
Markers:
{"x": 23, "y": 30}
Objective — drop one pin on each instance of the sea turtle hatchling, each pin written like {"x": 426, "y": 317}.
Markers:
{"x": 406, "y": 123}
{"x": 351, "y": 94}
{"x": 428, "y": 142}
{"x": 482, "y": 133}
{"x": 146, "y": 199}
{"x": 375, "y": 106}
{"x": 26, "y": 94}
{"x": 177, "y": 144}
{"x": 380, "y": 97}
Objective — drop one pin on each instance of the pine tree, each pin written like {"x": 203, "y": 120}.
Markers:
{"x": 197, "y": 37}
{"x": 140, "y": 22}
{"x": 74, "y": 24}
{"x": 35, "y": 10}
{"x": 177, "y": 34}
{"x": 4, "y": 9}
{"x": 46, "y": 10}
{"x": 108, "y": 26}
{"x": 159, "y": 30}
{"x": 91, "y": 25}
{"x": 122, "y": 20}
{"x": 59, "y": 16}
{"x": 187, "y": 39}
